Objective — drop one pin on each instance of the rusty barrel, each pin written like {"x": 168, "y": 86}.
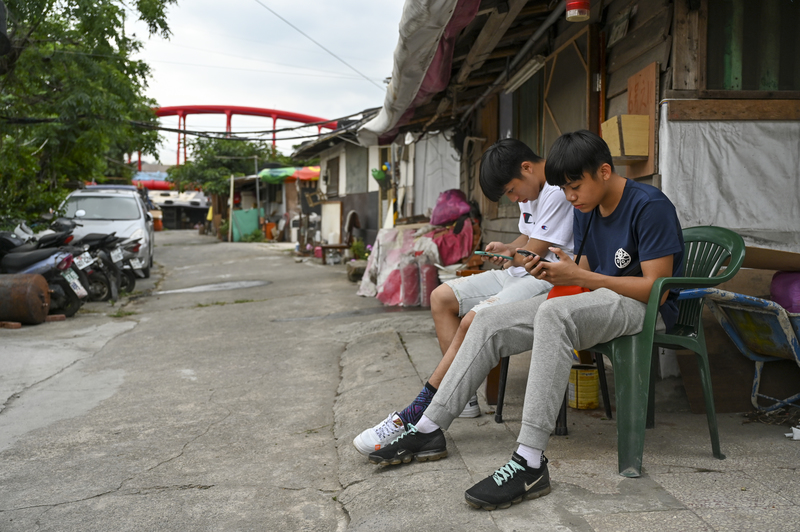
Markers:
{"x": 24, "y": 298}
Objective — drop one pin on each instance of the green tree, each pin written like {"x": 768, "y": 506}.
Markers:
{"x": 215, "y": 159}
{"x": 72, "y": 100}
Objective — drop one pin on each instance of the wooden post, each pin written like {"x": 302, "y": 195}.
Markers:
{"x": 734, "y": 39}
{"x": 770, "y": 46}
{"x": 685, "y": 48}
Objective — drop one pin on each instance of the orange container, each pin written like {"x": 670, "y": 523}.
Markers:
{"x": 268, "y": 227}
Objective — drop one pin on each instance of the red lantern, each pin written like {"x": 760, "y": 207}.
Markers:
{"x": 578, "y": 11}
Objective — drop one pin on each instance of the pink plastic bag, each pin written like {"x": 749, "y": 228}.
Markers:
{"x": 429, "y": 279}
{"x": 785, "y": 290}
{"x": 453, "y": 247}
{"x": 389, "y": 292}
{"x": 450, "y": 205}
{"x": 409, "y": 282}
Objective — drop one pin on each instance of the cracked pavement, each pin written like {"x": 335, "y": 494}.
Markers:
{"x": 199, "y": 411}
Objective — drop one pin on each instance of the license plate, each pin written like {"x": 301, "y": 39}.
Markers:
{"x": 116, "y": 254}
{"x": 75, "y": 283}
{"x": 136, "y": 264}
{"x": 84, "y": 260}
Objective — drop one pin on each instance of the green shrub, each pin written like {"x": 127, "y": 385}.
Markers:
{"x": 359, "y": 250}
{"x": 255, "y": 236}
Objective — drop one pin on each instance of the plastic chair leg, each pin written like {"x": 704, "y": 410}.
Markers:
{"x": 632, "y": 378}
{"x": 501, "y": 390}
{"x": 708, "y": 397}
{"x": 651, "y": 397}
{"x": 601, "y": 373}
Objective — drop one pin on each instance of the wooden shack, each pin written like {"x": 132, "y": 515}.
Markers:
{"x": 714, "y": 86}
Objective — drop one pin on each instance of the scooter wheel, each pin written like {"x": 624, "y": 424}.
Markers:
{"x": 73, "y": 304}
{"x": 99, "y": 286}
{"x": 127, "y": 281}
{"x": 64, "y": 300}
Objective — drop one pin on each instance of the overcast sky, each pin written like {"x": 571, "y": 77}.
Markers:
{"x": 239, "y": 53}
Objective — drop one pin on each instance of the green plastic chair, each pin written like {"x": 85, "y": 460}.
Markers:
{"x": 708, "y": 249}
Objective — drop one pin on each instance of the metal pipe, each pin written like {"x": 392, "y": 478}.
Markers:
{"x": 549, "y": 21}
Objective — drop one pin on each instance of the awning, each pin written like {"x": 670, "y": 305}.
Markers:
{"x": 433, "y": 89}
{"x": 422, "y": 61}
{"x": 276, "y": 176}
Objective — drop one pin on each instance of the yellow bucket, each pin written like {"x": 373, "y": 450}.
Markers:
{"x": 584, "y": 385}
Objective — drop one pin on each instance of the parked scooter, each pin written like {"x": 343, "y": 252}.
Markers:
{"x": 95, "y": 256}
{"x": 103, "y": 273}
{"x": 51, "y": 263}
{"x": 54, "y": 239}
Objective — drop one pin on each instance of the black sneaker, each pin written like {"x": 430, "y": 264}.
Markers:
{"x": 412, "y": 444}
{"x": 509, "y": 485}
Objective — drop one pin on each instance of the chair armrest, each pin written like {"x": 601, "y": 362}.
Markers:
{"x": 662, "y": 284}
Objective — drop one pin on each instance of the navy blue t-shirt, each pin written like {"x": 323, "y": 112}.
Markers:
{"x": 643, "y": 227}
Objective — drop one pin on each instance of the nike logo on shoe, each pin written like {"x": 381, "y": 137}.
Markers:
{"x": 532, "y": 484}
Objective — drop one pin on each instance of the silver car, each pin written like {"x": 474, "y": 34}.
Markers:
{"x": 120, "y": 210}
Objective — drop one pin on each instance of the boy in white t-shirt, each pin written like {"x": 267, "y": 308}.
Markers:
{"x": 510, "y": 168}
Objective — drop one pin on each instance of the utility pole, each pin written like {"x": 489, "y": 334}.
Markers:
{"x": 230, "y": 213}
{"x": 258, "y": 194}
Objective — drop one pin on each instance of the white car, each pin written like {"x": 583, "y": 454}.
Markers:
{"x": 113, "y": 209}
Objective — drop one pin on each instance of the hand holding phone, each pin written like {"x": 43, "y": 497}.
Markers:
{"x": 487, "y": 254}
{"x": 526, "y": 253}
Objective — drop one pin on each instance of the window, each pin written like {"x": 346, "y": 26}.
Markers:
{"x": 752, "y": 46}
{"x": 332, "y": 177}
{"x": 528, "y": 113}
{"x": 104, "y": 207}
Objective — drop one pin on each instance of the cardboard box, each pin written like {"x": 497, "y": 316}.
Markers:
{"x": 628, "y": 137}
{"x": 770, "y": 259}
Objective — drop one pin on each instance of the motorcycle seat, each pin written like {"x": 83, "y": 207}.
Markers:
{"x": 52, "y": 239}
{"x": 14, "y": 262}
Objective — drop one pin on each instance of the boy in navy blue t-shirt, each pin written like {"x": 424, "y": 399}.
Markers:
{"x": 630, "y": 237}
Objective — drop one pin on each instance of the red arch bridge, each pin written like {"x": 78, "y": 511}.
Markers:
{"x": 182, "y": 111}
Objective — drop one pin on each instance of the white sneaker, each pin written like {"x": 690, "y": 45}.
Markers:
{"x": 473, "y": 409}
{"x": 380, "y": 435}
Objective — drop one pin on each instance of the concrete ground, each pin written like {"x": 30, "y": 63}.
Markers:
{"x": 200, "y": 405}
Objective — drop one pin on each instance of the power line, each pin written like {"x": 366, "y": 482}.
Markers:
{"x": 341, "y": 76}
{"x": 349, "y": 76}
{"x": 270, "y": 44}
{"x": 305, "y": 74}
{"x": 318, "y": 44}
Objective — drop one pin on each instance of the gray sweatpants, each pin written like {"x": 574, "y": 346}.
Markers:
{"x": 554, "y": 327}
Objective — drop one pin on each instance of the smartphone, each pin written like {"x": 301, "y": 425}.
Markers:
{"x": 527, "y": 253}
{"x": 494, "y": 255}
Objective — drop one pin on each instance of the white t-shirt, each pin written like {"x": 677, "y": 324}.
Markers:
{"x": 548, "y": 218}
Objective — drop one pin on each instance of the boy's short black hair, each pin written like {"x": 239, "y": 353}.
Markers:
{"x": 501, "y": 163}
{"x": 574, "y": 153}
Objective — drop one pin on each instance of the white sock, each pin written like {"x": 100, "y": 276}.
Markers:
{"x": 425, "y": 425}
{"x": 531, "y": 455}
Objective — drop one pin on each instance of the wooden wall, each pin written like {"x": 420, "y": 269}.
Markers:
{"x": 648, "y": 40}
{"x": 497, "y": 225}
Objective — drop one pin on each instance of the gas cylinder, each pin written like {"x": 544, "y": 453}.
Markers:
{"x": 24, "y": 297}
